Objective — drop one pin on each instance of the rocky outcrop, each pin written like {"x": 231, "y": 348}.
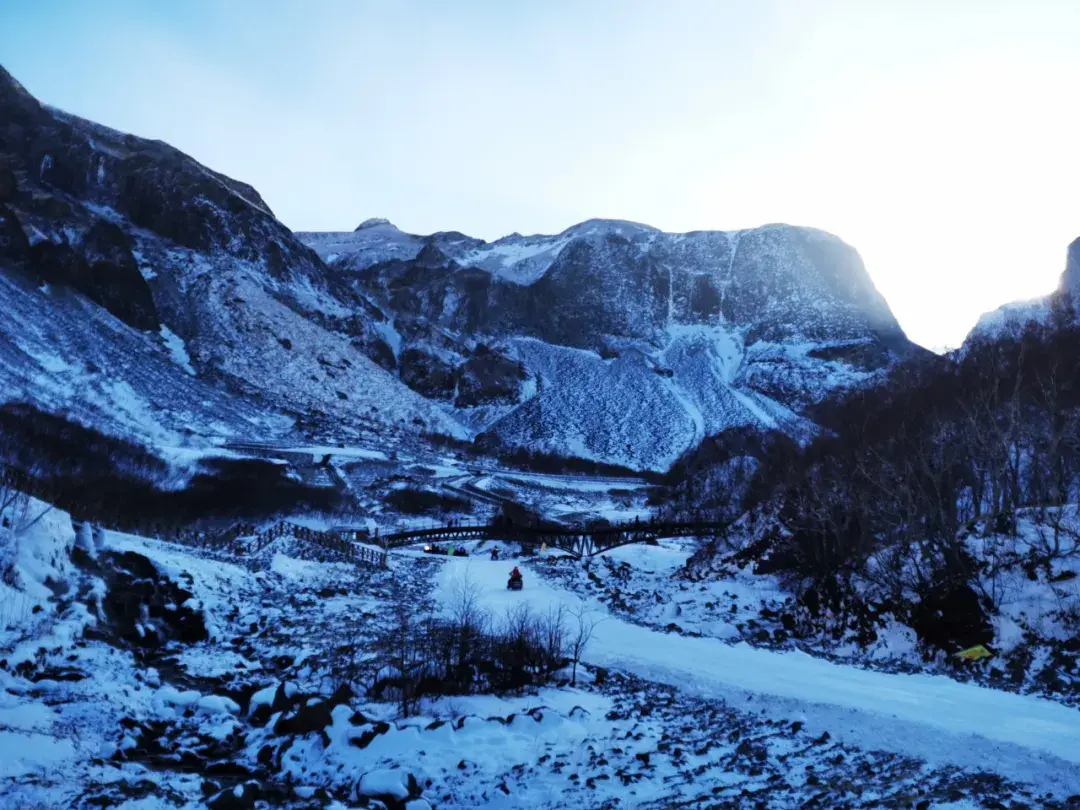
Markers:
{"x": 103, "y": 269}
{"x": 152, "y": 296}
{"x": 426, "y": 373}
{"x": 1070, "y": 279}
{"x": 145, "y": 607}
{"x": 489, "y": 378}
{"x": 602, "y": 281}
{"x": 619, "y": 342}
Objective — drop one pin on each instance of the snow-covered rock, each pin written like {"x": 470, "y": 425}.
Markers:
{"x": 633, "y": 343}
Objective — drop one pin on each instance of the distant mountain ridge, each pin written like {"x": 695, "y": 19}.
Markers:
{"x": 617, "y": 341}
{"x": 156, "y": 298}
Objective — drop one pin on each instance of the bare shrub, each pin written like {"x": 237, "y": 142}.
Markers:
{"x": 468, "y": 651}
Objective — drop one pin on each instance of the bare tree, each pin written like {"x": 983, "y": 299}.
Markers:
{"x": 401, "y": 662}
{"x": 18, "y": 514}
{"x": 552, "y": 627}
{"x": 584, "y": 622}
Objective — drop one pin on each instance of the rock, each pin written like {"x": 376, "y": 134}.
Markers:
{"x": 284, "y": 698}
{"x": 392, "y": 787}
{"x": 306, "y": 719}
{"x": 144, "y": 606}
{"x": 364, "y": 740}
{"x": 14, "y": 246}
{"x": 426, "y": 374}
{"x": 950, "y": 616}
{"x": 313, "y": 714}
{"x": 240, "y": 797}
{"x": 488, "y": 378}
{"x": 107, "y": 274}
{"x": 114, "y": 279}
{"x": 9, "y": 185}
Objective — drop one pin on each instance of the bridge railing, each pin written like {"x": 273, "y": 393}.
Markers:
{"x": 247, "y": 541}
{"x": 575, "y": 540}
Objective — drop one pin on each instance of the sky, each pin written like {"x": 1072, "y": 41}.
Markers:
{"x": 937, "y": 138}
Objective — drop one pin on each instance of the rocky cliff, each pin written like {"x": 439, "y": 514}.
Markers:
{"x": 616, "y": 341}
{"x": 152, "y": 296}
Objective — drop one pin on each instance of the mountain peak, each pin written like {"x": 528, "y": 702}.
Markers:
{"x": 621, "y": 227}
{"x": 375, "y": 222}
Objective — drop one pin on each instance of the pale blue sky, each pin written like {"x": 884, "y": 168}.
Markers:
{"x": 938, "y": 138}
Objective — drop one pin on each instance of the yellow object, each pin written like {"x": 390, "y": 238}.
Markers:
{"x": 543, "y": 547}
{"x": 975, "y": 653}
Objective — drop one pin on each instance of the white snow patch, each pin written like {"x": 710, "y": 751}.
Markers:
{"x": 177, "y": 349}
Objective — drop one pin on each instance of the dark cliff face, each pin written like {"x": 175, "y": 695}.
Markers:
{"x": 1056, "y": 310}
{"x": 56, "y": 168}
{"x": 612, "y": 329}
{"x": 1070, "y": 279}
{"x": 775, "y": 283}
{"x": 139, "y": 279}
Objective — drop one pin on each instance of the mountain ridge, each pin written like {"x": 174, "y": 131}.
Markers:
{"x": 110, "y": 239}
{"x": 611, "y": 340}
{"x": 701, "y": 331}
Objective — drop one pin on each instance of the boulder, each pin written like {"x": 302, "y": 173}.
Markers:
{"x": 394, "y": 788}
{"x": 313, "y": 715}
{"x": 488, "y": 378}
{"x": 240, "y": 797}
{"x": 146, "y": 608}
{"x": 427, "y": 374}
{"x": 951, "y": 617}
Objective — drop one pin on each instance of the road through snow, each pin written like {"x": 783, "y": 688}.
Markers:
{"x": 927, "y": 716}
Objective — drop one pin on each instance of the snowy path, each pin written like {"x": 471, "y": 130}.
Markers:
{"x": 931, "y": 717}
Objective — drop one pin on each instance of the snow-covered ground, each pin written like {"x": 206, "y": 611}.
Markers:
{"x": 927, "y": 716}
{"x": 260, "y": 701}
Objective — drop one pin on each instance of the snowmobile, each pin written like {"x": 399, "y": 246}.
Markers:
{"x": 516, "y": 582}
{"x": 495, "y": 553}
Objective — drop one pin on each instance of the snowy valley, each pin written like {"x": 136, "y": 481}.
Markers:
{"x": 262, "y": 492}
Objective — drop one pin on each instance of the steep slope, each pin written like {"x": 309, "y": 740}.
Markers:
{"x": 1057, "y": 307}
{"x": 616, "y": 341}
{"x": 152, "y": 296}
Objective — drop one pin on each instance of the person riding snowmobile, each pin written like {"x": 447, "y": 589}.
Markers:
{"x": 495, "y": 552}
{"x": 516, "y": 583}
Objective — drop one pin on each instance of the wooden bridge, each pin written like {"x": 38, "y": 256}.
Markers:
{"x": 581, "y": 542}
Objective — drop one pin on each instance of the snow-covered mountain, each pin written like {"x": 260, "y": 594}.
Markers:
{"x": 616, "y": 341}
{"x": 149, "y": 295}
{"x": 1013, "y": 317}
{"x": 153, "y": 297}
